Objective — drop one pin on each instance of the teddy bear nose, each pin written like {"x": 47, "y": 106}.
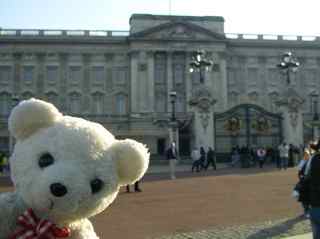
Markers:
{"x": 58, "y": 189}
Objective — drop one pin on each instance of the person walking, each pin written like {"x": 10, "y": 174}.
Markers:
{"x": 211, "y": 159}
{"x": 202, "y": 157}
{"x": 172, "y": 155}
{"x": 195, "y": 156}
{"x": 136, "y": 187}
{"x": 313, "y": 175}
{"x": 303, "y": 185}
{"x": 261, "y": 153}
{"x": 284, "y": 155}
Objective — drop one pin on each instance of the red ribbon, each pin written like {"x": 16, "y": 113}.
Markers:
{"x": 34, "y": 228}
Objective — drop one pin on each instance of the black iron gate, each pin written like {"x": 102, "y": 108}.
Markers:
{"x": 246, "y": 125}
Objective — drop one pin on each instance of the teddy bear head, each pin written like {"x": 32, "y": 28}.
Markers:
{"x": 69, "y": 168}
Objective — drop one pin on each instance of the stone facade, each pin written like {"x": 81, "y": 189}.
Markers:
{"x": 123, "y": 79}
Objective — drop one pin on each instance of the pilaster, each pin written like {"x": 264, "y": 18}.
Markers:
{"x": 40, "y": 77}
{"x": 17, "y": 73}
{"x": 85, "y": 104}
{"x": 63, "y": 61}
{"x": 169, "y": 79}
{"x": 188, "y": 80}
{"x": 223, "y": 89}
{"x": 150, "y": 79}
{"x": 134, "y": 81}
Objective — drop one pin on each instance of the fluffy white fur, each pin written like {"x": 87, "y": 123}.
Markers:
{"x": 82, "y": 151}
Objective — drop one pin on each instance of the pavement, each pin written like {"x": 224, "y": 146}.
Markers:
{"x": 304, "y": 236}
{"x": 161, "y": 171}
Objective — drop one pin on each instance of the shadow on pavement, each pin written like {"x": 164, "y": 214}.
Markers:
{"x": 278, "y": 229}
{"x": 219, "y": 172}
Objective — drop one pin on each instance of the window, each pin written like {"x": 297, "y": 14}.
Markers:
{"x": 28, "y": 74}
{"x": 5, "y": 74}
{"x": 4, "y": 143}
{"x": 97, "y": 74}
{"x": 52, "y": 74}
{"x": 74, "y": 103}
{"x": 120, "y": 104}
{"x": 75, "y": 74}
{"x": 160, "y": 71}
{"x": 5, "y": 103}
{"x": 160, "y": 102}
{"x": 98, "y": 103}
{"x": 178, "y": 68}
{"x": 27, "y": 95}
{"x": 273, "y": 98}
{"x": 234, "y": 98}
{"x": 53, "y": 98}
{"x": 180, "y": 103}
{"x": 252, "y": 76}
{"x": 121, "y": 75}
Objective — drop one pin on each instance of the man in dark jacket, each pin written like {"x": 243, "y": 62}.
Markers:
{"x": 313, "y": 173}
{"x": 211, "y": 159}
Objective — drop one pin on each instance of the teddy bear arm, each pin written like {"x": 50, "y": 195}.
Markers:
{"x": 10, "y": 208}
{"x": 83, "y": 230}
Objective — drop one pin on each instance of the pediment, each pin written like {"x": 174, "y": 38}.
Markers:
{"x": 178, "y": 31}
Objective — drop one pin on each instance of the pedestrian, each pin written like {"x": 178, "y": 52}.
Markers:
{"x": 284, "y": 155}
{"x": 172, "y": 155}
{"x": 261, "y": 153}
{"x": 211, "y": 159}
{"x": 136, "y": 187}
{"x": 196, "y": 163}
{"x": 313, "y": 175}
{"x": 202, "y": 157}
{"x": 302, "y": 186}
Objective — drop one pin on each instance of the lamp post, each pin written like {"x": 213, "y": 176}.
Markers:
{"x": 287, "y": 64}
{"x": 173, "y": 120}
{"x": 201, "y": 64}
{"x": 14, "y": 102}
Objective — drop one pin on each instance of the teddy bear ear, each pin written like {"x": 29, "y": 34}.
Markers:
{"x": 30, "y": 115}
{"x": 132, "y": 160}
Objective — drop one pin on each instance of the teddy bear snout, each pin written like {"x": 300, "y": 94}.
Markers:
{"x": 58, "y": 189}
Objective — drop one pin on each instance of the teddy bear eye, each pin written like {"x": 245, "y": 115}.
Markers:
{"x": 96, "y": 185}
{"x": 45, "y": 160}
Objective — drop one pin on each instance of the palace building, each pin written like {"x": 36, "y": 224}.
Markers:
{"x": 123, "y": 79}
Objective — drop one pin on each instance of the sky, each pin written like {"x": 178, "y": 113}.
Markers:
{"x": 276, "y": 17}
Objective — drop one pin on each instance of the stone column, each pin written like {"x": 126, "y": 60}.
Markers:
{"x": 134, "y": 81}
{"x": 63, "y": 60}
{"x": 188, "y": 79}
{"x": 17, "y": 73}
{"x": 221, "y": 68}
{"x": 86, "y": 83}
{"x": 150, "y": 79}
{"x": 202, "y": 104}
{"x": 41, "y": 71}
{"x": 169, "y": 79}
{"x": 290, "y": 106}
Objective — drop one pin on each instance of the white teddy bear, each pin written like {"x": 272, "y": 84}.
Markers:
{"x": 65, "y": 170}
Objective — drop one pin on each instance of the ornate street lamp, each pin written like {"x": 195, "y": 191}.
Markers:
{"x": 288, "y": 63}
{"x": 173, "y": 123}
{"x": 200, "y": 64}
{"x": 173, "y": 97}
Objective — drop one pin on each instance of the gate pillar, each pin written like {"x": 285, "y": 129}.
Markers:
{"x": 290, "y": 106}
{"x": 202, "y": 104}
